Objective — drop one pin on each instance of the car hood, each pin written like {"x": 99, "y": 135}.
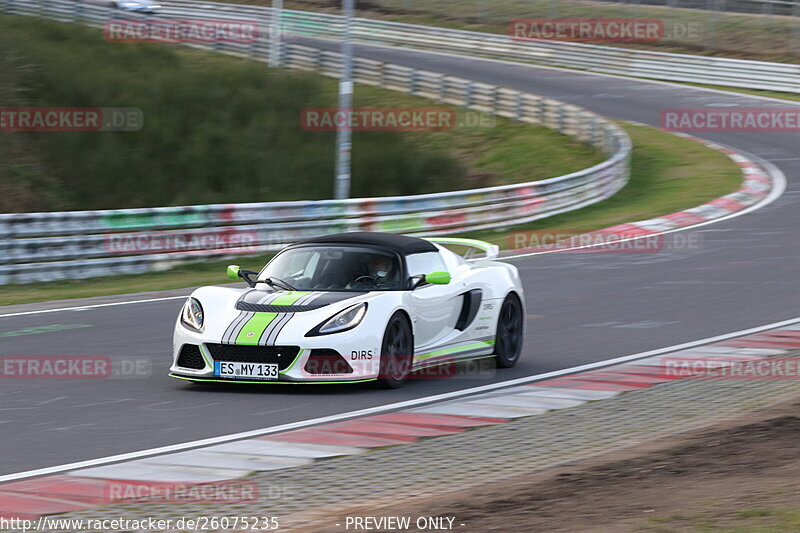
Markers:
{"x": 231, "y": 314}
{"x": 260, "y": 301}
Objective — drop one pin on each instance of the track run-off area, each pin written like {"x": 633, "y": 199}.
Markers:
{"x": 582, "y": 308}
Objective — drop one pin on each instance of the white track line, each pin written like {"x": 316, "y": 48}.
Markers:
{"x": 381, "y": 409}
{"x": 95, "y": 306}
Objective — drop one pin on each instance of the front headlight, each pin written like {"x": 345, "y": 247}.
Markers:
{"x": 342, "y": 321}
{"x": 192, "y": 315}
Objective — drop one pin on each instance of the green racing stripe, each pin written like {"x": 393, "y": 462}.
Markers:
{"x": 253, "y": 328}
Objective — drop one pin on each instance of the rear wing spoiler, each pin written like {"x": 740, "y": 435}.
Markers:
{"x": 491, "y": 251}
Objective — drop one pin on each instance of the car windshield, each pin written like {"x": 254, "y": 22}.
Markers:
{"x": 335, "y": 268}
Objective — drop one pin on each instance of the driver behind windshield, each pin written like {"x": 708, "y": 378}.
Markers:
{"x": 380, "y": 271}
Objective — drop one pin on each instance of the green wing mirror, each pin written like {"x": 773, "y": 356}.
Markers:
{"x": 233, "y": 271}
{"x": 438, "y": 278}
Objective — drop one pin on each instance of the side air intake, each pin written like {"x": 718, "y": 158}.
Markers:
{"x": 469, "y": 309}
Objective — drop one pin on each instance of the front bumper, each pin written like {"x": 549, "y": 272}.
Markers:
{"x": 319, "y": 360}
{"x": 268, "y": 382}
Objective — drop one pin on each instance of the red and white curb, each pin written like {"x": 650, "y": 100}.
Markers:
{"x": 760, "y": 186}
{"x": 93, "y": 487}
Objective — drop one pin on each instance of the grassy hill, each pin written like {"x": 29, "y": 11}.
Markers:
{"x": 222, "y": 129}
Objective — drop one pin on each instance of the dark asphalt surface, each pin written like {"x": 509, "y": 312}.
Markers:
{"x": 582, "y": 308}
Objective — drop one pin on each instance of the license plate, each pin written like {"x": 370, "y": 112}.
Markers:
{"x": 245, "y": 370}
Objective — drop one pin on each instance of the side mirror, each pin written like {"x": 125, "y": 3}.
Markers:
{"x": 438, "y": 278}
{"x": 233, "y": 271}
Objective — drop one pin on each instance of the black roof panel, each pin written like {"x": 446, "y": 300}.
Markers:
{"x": 401, "y": 244}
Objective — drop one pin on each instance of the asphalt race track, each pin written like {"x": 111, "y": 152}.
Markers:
{"x": 581, "y": 307}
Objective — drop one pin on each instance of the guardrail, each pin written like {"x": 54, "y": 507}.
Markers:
{"x": 624, "y": 61}
{"x": 70, "y": 245}
{"x": 770, "y": 26}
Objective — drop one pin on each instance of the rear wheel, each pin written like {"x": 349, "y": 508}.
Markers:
{"x": 508, "y": 339}
{"x": 397, "y": 352}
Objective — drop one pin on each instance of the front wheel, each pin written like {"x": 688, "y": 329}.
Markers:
{"x": 508, "y": 339}
{"x": 397, "y": 352}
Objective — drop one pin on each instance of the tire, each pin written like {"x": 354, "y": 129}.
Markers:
{"x": 508, "y": 338}
{"x": 397, "y": 352}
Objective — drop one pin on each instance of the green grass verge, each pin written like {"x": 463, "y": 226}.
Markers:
{"x": 219, "y": 129}
{"x": 668, "y": 174}
{"x": 756, "y": 520}
{"x": 183, "y": 276}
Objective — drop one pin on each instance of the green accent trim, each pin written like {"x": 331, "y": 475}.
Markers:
{"x": 440, "y": 363}
{"x": 255, "y": 327}
{"x": 482, "y": 245}
{"x": 259, "y": 322}
{"x": 297, "y": 358}
{"x": 206, "y": 356}
{"x": 204, "y": 380}
{"x": 233, "y": 271}
{"x": 456, "y": 349}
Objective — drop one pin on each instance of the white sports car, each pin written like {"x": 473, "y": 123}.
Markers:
{"x": 353, "y": 307}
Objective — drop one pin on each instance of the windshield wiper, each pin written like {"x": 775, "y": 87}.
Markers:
{"x": 276, "y": 283}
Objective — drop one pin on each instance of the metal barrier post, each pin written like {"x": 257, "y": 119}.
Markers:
{"x": 711, "y": 23}
{"x": 481, "y": 10}
{"x": 552, "y": 9}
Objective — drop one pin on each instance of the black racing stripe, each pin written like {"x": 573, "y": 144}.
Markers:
{"x": 328, "y": 298}
{"x": 265, "y": 334}
{"x": 304, "y": 300}
{"x": 267, "y": 298}
{"x": 230, "y": 327}
{"x": 229, "y": 330}
{"x": 279, "y": 322}
{"x": 276, "y": 322}
{"x": 237, "y": 326}
{"x": 308, "y": 298}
